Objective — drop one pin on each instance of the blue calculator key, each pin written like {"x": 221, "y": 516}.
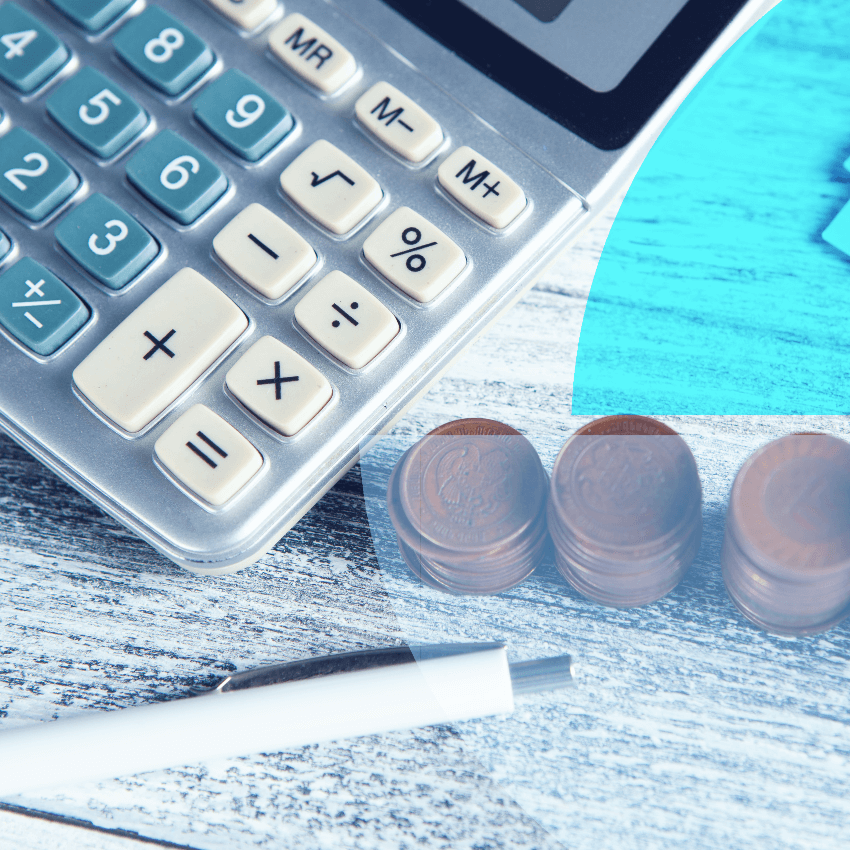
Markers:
{"x": 163, "y": 51}
{"x": 92, "y": 15}
{"x": 98, "y": 114}
{"x": 107, "y": 242}
{"x": 5, "y": 244}
{"x": 37, "y": 308}
{"x": 242, "y": 115}
{"x": 176, "y": 177}
{"x": 29, "y": 52}
{"x": 36, "y": 180}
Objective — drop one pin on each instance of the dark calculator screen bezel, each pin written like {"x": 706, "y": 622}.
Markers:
{"x": 608, "y": 120}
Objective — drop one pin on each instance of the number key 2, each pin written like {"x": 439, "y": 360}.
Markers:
{"x": 163, "y": 51}
{"x": 98, "y": 114}
{"x": 107, "y": 242}
{"x": 39, "y": 180}
{"x": 176, "y": 177}
{"x": 241, "y": 115}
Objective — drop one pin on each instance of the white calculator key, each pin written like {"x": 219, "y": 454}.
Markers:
{"x": 414, "y": 255}
{"x": 400, "y": 123}
{"x": 346, "y": 320}
{"x": 246, "y": 14}
{"x": 264, "y": 251}
{"x": 485, "y": 190}
{"x": 159, "y": 350}
{"x": 208, "y": 455}
{"x": 308, "y": 51}
{"x": 331, "y": 187}
{"x": 278, "y": 386}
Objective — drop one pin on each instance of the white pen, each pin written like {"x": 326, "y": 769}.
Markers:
{"x": 277, "y": 708}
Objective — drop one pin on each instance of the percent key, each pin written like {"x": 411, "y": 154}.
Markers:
{"x": 414, "y": 255}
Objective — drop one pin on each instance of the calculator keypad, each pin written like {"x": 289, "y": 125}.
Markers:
{"x": 482, "y": 187}
{"x": 311, "y": 53}
{"x": 331, "y": 187}
{"x": 414, "y": 255}
{"x": 346, "y": 320}
{"x": 245, "y": 14}
{"x": 99, "y": 115}
{"x": 242, "y": 115}
{"x": 399, "y": 122}
{"x": 208, "y": 455}
{"x": 278, "y": 386}
{"x": 107, "y": 242}
{"x": 29, "y": 53}
{"x": 37, "y": 308}
{"x": 159, "y": 350}
{"x": 176, "y": 177}
{"x": 92, "y": 15}
{"x": 264, "y": 251}
{"x": 35, "y": 181}
{"x": 163, "y": 51}
{"x": 5, "y": 245}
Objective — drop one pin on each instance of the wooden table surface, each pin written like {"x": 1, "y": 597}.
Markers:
{"x": 688, "y": 727}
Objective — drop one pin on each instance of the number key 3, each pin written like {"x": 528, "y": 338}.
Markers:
{"x": 98, "y": 114}
{"x": 107, "y": 242}
{"x": 39, "y": 180}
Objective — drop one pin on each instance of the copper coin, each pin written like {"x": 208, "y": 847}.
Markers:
{"x": 625, "y": 510}
{"x": 466, "y": 490}
{"x": 625, "y": 490}
{"x": 786, "y": 550}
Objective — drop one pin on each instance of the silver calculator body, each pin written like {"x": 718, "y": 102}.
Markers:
{"x": 566, "y": 163}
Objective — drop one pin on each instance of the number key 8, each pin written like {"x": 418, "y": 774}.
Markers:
{"x": 163, "y": 51}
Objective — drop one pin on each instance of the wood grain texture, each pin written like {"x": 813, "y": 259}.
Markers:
{"x": 688, "y": 727}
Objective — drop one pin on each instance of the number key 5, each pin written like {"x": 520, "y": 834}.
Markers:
{"x": 38, "y": 181}
{"x": 176, "y": 177}
{"x": 98, "y": 114}
{"x": 107, "y": 242}
{"x": 163, "y": 51}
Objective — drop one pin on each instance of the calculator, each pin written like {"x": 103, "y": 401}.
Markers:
{"x": 239, "y": 238}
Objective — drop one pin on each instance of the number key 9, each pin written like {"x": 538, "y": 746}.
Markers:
{"x": 98, "y": 114}
{"x": 243, "y": 116}
{"x": 163, "y": 51}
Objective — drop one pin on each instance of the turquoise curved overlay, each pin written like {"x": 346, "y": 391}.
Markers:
{"x": 718, "y": 291}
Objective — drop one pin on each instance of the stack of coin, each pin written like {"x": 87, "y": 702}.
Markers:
{"x": 625, "y": 510}
{"x": 786, "y": 551}
{"x": 468, "y": 503}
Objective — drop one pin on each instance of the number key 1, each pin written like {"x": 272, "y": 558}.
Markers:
{"x": 107, "y": 242}
{"x": 98, "y": 114}
{"x": 39, "y": 180}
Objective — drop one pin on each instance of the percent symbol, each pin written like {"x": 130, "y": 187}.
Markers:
{"x": 413, "y": 236}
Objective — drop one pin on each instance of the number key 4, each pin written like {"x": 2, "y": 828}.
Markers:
{"x": 242, "y": 116}
{"x": 163, "y": 51}
{"x": 98, "y": 114}
{"x": 29, "y": 53}
{"x": 176, "y": 177}
{"x": 107, "y": 242}
{"x": 39, "y": 181}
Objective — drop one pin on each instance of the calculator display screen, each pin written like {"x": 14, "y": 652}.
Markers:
{"x": 600, "y": 68}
